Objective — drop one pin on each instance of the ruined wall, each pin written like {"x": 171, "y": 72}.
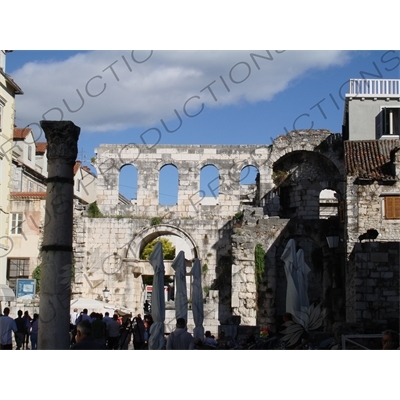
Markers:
{"x": 107, "y": 249}
{"x": 107, "y": 252}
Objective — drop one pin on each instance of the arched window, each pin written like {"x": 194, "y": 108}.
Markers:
{"x": 328, "y": 204}
{"x": 209, "y": 182}
{"x": 248, "y": 184}
{"x": 168, "y": 185}
{"x": 248, "y": 175}
{"x": 128, "y": 176}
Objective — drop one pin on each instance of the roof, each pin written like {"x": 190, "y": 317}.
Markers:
{"x": 35, "y": 195}
{"x": 21, "y": 133}
{"x": 371, "y": 159}
{"x": 77, "y": 166}
{"x": 12, "y": 83}
{"x": 41, "y": 147}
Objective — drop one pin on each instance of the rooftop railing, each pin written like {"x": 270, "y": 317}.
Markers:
{"x": 374, "y": 87}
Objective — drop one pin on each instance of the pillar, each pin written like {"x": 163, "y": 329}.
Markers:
{"x": 56, "y": 252}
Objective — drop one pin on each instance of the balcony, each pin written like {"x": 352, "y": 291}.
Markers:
{"x": 374, "y": 88}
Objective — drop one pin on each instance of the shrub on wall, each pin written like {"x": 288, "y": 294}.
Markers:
{"x": 259, "y": 262}
{"x": 93, "y": 211}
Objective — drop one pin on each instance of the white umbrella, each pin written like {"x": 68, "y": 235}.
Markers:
{"x": 6, "y": 294}
{"x": 297, "y": 285}
{"x": 92, "y": 305}
{"x": 197, "y": 301}
{"x": 181, "y": 301}
{"x": 156, "y": 340}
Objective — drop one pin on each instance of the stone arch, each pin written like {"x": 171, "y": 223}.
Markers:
{"x": 296, "y": 141}
{"x": 146, "y": 235}
{"x": 299, "y": 178}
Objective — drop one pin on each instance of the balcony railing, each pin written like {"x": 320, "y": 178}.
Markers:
{"x": 374, "y": 87}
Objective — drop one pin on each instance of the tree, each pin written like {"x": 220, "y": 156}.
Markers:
{"x": 37, "y": 274}
{"x": 168, "y": 249}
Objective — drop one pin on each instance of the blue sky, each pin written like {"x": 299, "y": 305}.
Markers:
{"x": 240, "y": 97}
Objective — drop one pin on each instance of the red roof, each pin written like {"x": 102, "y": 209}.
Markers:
{"x": 41, "y": 147}
{"x": 77, "y": 166}
{"x": 35, "y": 195}
{"x": 21, "y": 133}
{"x": 371, "y": 159}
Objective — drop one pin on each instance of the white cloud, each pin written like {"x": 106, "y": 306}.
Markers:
{"x": 140, "y": 94}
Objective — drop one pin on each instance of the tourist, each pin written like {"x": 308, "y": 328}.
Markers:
{"x": 28, "y": 322}
{"x": 84, "y": 339}
{"x": 113, "y": 333}
{"x": 139, "y": 333}
{"x": 7, "y": 326}
{"x": 34, "y": 331}
{"x": 210, "y": 340}
{"x": 20, "y": 334}
{"x": 180, "y": 338}
{"x": 99, "y": 329}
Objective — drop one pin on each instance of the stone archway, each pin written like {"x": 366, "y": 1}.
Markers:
{"x": 146, "y": 235}
{"x": 134, "y": 290}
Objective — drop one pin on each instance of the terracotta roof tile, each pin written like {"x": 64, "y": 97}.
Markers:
{"x": 371, "y": 159}
{"x": 77, "y": 166}
{"x": 21, "y": 133}
{"x": 36, "y": 195}
{"x": 41, "y": 147}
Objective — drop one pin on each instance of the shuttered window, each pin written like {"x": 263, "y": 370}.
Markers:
{"x": 392, "y": 207}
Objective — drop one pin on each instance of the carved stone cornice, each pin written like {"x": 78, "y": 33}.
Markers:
{"x": 62, "y": 138}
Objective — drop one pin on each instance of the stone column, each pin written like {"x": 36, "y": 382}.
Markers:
{"x": 55, "y": 288}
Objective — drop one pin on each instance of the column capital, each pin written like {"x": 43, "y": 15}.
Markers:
{"x": 62, "y": 140}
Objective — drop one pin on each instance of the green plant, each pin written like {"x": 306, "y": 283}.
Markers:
{"x": 93, "y": 211}
{"x": 37, "y": 274}
{"x": 206, "y": 290}
{"x": 279, "y": 176}
{"x": 259, "y": 262}
{"x": 168, "y": 249}
{"x": 238, "y": 215}
{"x": 156, "y": 221}
{"x": 93, "y": 160}
{"x": 204, "y": 269}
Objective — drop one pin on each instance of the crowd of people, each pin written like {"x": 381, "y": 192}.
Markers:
{"x": 98, "y": 332}
{"x": 24, "y": 327}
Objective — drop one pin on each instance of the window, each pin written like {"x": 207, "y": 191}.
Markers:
{"x": 392, "y": 207}
{"x": 390, "y": 121}
{"x": 30, "y": 153}
{"x": 17, "y": 268}
{"x": 16, "y": 223}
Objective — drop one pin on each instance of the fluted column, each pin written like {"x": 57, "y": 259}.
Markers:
{"x": 55, "y": 289}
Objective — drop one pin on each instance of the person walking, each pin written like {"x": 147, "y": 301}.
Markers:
{"x": 20, "y": 334}
{"x": 34, "y": 331}
{"x": 7, "y": 326}
{"x": 28, "y": 321}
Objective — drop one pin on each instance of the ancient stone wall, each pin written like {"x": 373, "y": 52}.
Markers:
{"x": 108, "y": 249}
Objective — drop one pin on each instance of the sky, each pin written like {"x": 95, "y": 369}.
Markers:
{"x": 188, "y": 97}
